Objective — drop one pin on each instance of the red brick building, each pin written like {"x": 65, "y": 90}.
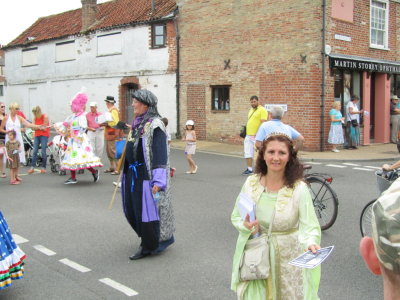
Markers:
{"x": 279, "y": 50}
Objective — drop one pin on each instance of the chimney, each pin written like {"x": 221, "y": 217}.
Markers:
{"x": 89, "y": 9}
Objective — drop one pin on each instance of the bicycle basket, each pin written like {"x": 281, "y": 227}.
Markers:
{"x": 382, "y": 181}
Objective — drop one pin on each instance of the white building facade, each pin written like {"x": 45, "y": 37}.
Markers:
{"x": 107, "y": 62}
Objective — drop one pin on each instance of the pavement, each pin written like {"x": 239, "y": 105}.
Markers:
{"x": 376, "y": 152}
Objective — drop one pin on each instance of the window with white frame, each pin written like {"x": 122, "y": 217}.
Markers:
{"x": 109, "y": 44}
{"x": 29, "y": 57}
{"x": 379, "y": 23}
{"x": 65, "y": 51}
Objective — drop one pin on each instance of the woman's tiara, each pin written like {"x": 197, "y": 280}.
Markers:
{"x": 277, "y": 133}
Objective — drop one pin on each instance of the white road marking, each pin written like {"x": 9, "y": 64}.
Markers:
{"x": 336, "y": 166}
{"x": 122, "y": 288}
{"x": 312, "y": 163}
{"x": 350, "y": 164}
{"x": 19, "y": 239}
{"x": 363, "y": 169}
{"x": 74, "y": 265}
{"x": 44, "y": 250}
{"x": 377, "y": 168}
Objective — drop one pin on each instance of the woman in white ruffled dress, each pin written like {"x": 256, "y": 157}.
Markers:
{"x": 79, "y": 154}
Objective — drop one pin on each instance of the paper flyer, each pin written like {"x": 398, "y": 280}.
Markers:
{"x": 310, "y": 260}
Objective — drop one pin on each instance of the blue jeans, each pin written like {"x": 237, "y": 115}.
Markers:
{"x": 42, "y": 141}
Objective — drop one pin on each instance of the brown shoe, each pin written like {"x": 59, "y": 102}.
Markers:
{"x": 42, "y": 171}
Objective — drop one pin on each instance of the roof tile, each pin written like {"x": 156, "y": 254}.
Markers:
{"x": 109, "y": 14}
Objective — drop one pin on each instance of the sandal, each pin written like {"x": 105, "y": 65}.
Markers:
{"x": 18, "y": 178}
{"x": 194, "y": 171}
{"x": 14, "y": 182}
{"x": 3, "y": 175}
{"x": 109, "y": 171}
{"x": 114, "y": 173}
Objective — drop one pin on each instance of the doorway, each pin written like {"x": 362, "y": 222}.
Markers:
{"x": 130, "y": 88}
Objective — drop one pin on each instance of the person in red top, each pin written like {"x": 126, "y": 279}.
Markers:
{"x": 21, "y": 113}
{"x": 41, "y": 138}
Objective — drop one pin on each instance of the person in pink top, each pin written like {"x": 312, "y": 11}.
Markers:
{"x": 95, "y": 132}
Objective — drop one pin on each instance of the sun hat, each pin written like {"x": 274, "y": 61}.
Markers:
{"x": 394, "y": 97}
{"x": 189, "y": 123}
{"x": 93, "y": 104}
{"x": 110, "y": 99}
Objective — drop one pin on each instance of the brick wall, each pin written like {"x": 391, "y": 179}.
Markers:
{"x": 274, "y": 49}
{"x": 265, "y": 42}
{"x": 195, "y": 104}
{"x": 359, "y": 31}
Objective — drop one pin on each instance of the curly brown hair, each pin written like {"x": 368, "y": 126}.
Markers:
{"x": 294, "y": 168}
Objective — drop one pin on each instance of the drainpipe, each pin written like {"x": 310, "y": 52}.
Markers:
{"x": 323, "y": 85}
{"x": 178, "y": 84}
{"x": 153, "y": 6}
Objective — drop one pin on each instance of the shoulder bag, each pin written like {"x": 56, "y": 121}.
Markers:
{"x": 242, "y": 133}
{"x": 354, "y": 122}
{"x": 255, "y": 262}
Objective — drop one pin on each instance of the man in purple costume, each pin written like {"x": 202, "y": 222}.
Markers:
{"x": 145, "y": 181}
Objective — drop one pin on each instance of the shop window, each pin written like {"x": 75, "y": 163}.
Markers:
{"x": 338, "y": 88}
{"x": 346, "y": 84}
{"x": 395, "y": 85}
{"x": 220, "y": 97}
{"x": 158, "y": 35}
{"x": 379, "y": 24}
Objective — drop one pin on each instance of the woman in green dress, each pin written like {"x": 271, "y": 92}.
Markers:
{"x": 278, "y": 183}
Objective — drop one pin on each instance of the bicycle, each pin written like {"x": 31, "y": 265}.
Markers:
{"x": 384, "y": 180}
{"x": 324, "y": 198}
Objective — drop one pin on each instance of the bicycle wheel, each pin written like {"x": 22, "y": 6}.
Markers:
{"x": 325, "y": 201}
{"x": 365, "y": 219}
{"x": 28, "y": 158}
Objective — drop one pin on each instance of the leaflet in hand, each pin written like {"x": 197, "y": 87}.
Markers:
{"x": 103, "y": 118}
{"x": 310, "y": 260}
{"x": 246, "y": 206}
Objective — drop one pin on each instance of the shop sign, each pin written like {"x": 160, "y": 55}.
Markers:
{"x": 269, "y": 106}
{"x": 367, "y": 66}
{"x": 343, "y": 37}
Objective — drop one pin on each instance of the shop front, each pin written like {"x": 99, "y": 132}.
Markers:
{"x": 374, "y": 81}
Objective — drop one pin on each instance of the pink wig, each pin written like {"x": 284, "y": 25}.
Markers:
{"x": 78, "y": 103}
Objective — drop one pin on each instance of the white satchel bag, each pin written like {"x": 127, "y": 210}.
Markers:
{"x": 255, "y": 263}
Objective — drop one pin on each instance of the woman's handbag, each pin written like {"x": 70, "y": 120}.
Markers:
{"x": 119, "y": 148}
{"x": 354, "y": 123}
{"x": 254, "y": 263}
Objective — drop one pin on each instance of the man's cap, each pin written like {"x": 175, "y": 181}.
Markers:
{"x": 93, "y": 104}
{"x": 110, "y": 99}
{"x": 394, "y": 97}
{"x": 189, "y": 122}
{"x": 386, "y": 227}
